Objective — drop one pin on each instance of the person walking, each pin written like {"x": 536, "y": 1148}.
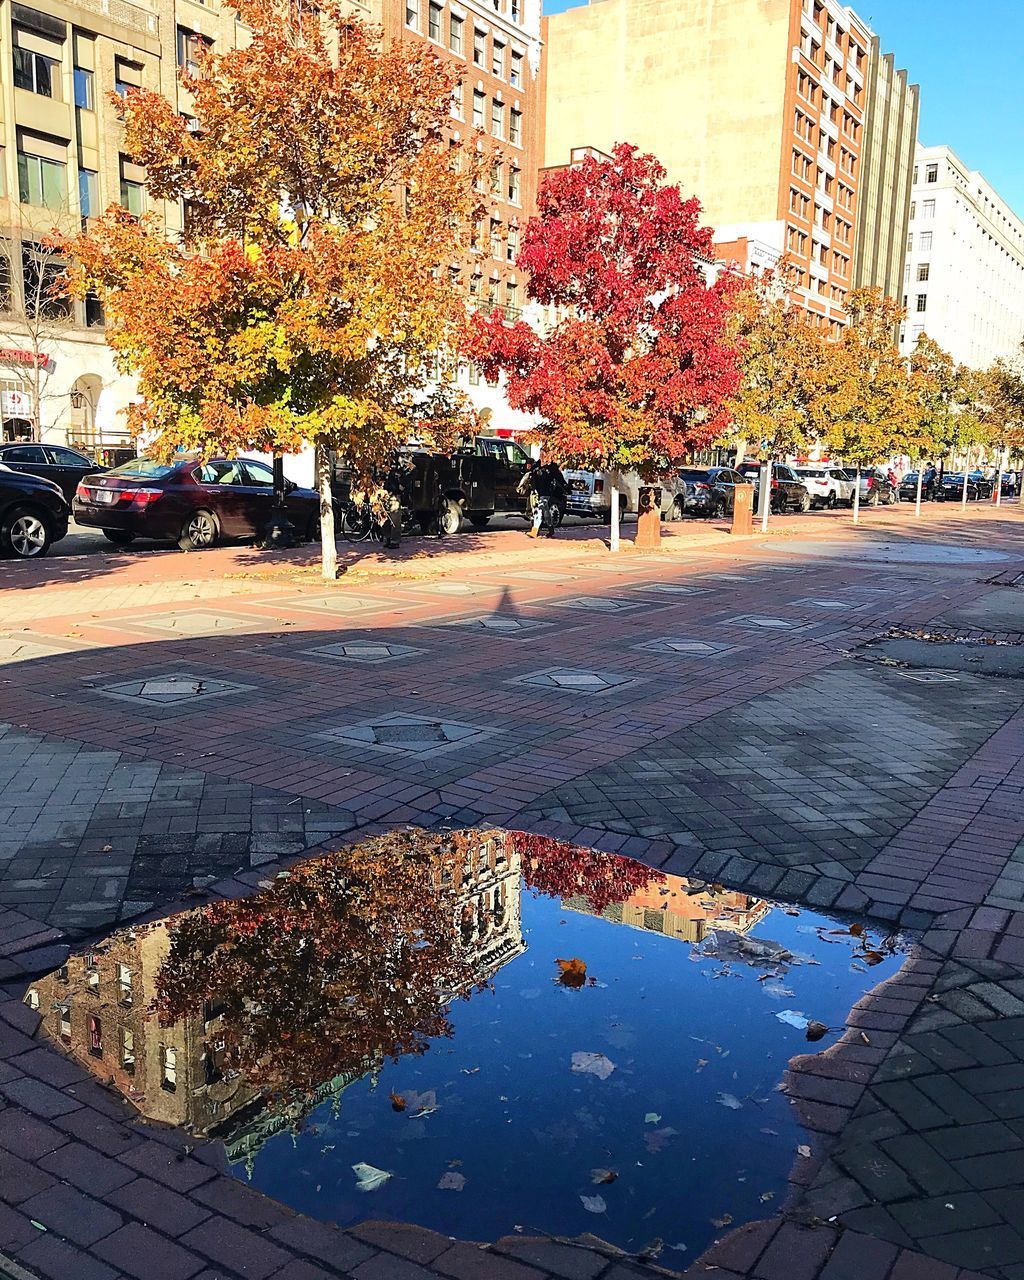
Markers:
{"x": 545, "y": 488}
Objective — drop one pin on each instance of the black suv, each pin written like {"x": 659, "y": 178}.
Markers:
{"x": 33, "y": 514}
{"x": 708, "y": 491}
{"x": 789, "y": 493}
{"x": 65, "y": 467}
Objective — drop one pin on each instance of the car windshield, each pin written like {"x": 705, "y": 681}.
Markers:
{"x": 143, "y": 469}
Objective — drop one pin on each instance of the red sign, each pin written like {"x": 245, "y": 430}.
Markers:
{"x": 11, "y": 355}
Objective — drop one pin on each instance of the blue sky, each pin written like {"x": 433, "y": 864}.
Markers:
{"x": 967, "y": 60}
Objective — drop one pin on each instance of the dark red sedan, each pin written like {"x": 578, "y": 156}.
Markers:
{"x": 193, "y": 503}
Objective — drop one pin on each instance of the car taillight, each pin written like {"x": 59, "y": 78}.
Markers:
{"x": 869, "y": 482}
{"x": 699, "y": 485}
{"x": 599, "y": 485}
{"x": 143, "y": 497}
{"x": 775, "y": 484}
{"x": 82, "y": 492}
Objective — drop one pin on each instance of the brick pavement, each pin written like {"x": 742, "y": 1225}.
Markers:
{"x": 202, "y": 725}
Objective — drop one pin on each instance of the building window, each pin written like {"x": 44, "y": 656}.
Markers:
{"x": 928, "y": 209}
{"x": 85, "y": 99}
{"x": 910, "y": 242}
{"x": 65, "y": 1021}
{"x": 511, "y": 301}
{"x": 922, "y": 302}
{"x": 913, "y": 210}
{"x": 512, "y": 244}
{"x": 915, "y": 175}
{"x": 513, "y": 184}
{"x": 497, "y": 118}
{"x": 412, "y": 14}
{"x": 434, "y": 22}
{"x": 474, "y": 374}
{"x": 478, "y": 109}
{"x": 128, "y": 1050}
{"x": 133, "y": 191}
{"x": 479, "y": 47}
{"x": 95, "y": 1036}
{"x": 496, "y": 238}
{"x": 925, "y": 241}
{"x": 191, "y": 46}
{"x": 94, "y": 316}
{"x": 168, "y": 1068}
{"x": 515, "y": 126}
{"x": 516, "y": 74}
{"x": 33, "y": 999}
{"x": 931, "y": 174}
{"x": 496, "y": 178}
{"x": 455, "y": 34}
{"x": 922, "y": 270}
{"x": 127, "y": 75}
{"x": 88, "y": 193}
{"x": 458, "y": 101}
{"x": 124, "y": 984}
{"x": 516, "y": 10}
{"x": 35, "y": 73}
{"x": 497, "y": 59}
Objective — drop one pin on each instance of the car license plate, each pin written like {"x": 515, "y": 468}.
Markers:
{"x": 106, "y": 495}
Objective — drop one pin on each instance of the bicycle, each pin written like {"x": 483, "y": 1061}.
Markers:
{"x": 368, "y": 518}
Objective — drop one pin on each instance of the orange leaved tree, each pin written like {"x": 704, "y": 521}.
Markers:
{"x": 310, "y": 290}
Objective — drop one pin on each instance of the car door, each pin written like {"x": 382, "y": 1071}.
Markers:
{"x": 31, "y": 460}
{"x": 725, "y": 485}
{"x": 221, "y": 485}
{"x": 68, "y": 468}
{"x": 258, "y": 493}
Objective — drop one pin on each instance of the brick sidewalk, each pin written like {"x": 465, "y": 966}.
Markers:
{"x": 175, "y": 720}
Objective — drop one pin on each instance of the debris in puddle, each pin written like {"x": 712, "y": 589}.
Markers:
{"x": 368, "y": 1178}
{"x": 592, "y": 1064}
{"x": 601, "y": 1177}
{"x": 451, "y": 1182}
{"x": 594, "y": 1204}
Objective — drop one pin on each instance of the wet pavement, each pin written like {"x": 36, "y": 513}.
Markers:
{"x": 715, "y": 728}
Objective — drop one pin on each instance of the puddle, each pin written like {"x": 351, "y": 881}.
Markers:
{"x": 479, "y": 1031}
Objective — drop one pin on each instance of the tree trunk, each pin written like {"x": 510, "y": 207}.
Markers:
{"x": 856, "y": 498}
{"x": 616, "y": 510}
{"x": 328, "y": 546}
{"x": 920, "y": 480}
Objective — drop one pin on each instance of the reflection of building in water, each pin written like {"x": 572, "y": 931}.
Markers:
{"x": 99, "y": 1006}
{"x": 670, "y": 906}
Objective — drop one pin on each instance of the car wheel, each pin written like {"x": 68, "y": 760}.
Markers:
{"x": 26, "y": 533}
{"x": 804, "y": 503}
{"x": 198, "y": 532}
{"x": 479, "y": 521}
{"x": 119, "y": 537}
{"x": 449, "y": 517}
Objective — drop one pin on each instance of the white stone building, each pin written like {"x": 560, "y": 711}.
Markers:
{"x": 964, "y": 276}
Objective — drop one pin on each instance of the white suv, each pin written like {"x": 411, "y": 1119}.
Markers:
{"x": 828, "y": 486}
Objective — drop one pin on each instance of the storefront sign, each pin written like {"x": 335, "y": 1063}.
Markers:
{"x": 11, "y": 355}
{"x": 15, "y": 404}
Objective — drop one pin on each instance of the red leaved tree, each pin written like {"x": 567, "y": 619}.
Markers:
{"x": 636, "y": 370}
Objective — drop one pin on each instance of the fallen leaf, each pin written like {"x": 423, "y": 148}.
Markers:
{"x": 815, "y": 1030}
{"x": 872, "y": 957}
{"x": 368, "y": 1178}
{"x": 729, "y": 1100}
{"x": 793, "y": 1018}
{"x": 398, "y": 1103}
{"x": 451, "y": 1182}
{"x": 723, "y": 1221}
{"x": 765, "y": 1196}
{"x": 804, "y": 1151}
{"x": 594, "y": 1204}
{"x": 592, "y": 1064}
{"x": 651, "y": 1117}
{"x": 573, "y": 972}
{"x": 601, "y": 1177}
{"x": 658, "y": 1139}
{"x": 857, "y": 930}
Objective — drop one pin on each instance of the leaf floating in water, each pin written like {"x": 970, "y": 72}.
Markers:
{"x": 872, "y": 957}
{"x": 815, "y": 1030}
{"x": 804, "y": 1151}
{"x": 398, "y": 1103}
{"x": 451, "y": 1182}
{"x": 592, "y": 1064}
{"x": 765, "y": 1196}
{"x": 729, "y": 1100}
{"x": 601, "y": 1177}
{"x": 856, "y": 931}
{"x": 368, "y": 1178}
{"x": 594, "y": 1204}
{"x": 793, "y": 1018}
{"x": 658, "y": 1139}
{"x": 652, "y": 1117}
{"x": 573, "y": 973}
{"x": 724, "y": 1221}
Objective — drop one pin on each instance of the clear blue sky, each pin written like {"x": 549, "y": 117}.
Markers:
{"x": 967, "y": 59}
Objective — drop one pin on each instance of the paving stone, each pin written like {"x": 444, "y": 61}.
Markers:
{"x": 470, "y": 1262}
{"x": 69, "y": 1213}
{"x": 560, "y": 1260}
{"x": 19, "y": 1179}
{"x": 58, "y": 1260}
{"x": 416, "y": 1243}
{"x": 175, "y": 1170}
{"x": 142, "y": 1253}
{"x": 157, "y": 1206}
{"x": 224, "y": 1195}
{"x": 795, "y": 1253}
{"x": 387, "y": 1266}
{"x": 86, "y": 1168}
{"x": 327, "y": 1244}
{"x": 245, "y": 1251}
{"x": 859, "y": 1258}
{"x": 28, "y": 1136}
{"x": 39, "y": 1098}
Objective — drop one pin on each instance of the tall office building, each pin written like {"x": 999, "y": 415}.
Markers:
{"x": 760, "y": 108}
{"x": 964, "y": 278}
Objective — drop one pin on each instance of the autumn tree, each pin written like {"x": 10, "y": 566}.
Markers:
{"x": 1004, "y": 407}
{"x": 635, "y": 367}
{"x": 933, "y": 375}
{"x": 875, "y": 408}
{"x": 310, "y": 288}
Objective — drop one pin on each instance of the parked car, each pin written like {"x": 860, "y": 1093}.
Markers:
{"x": 707, "y": 491}
{"x": 951, "y": 488}
{"x": 788, "y": 491}
{"x": 876, "y": 488}
{"x": 828, "y": 486}
{"x": 194, "y": 503}
{"x": 590, "y": 494}
{"x": 33, "y": 514}
{"x": 64, "y": 466}
{"x": 929, "y": 482}
{"x": 986, "y": 485}
{"x": 1008, "y": 487}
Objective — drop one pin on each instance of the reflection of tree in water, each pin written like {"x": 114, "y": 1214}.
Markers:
{"x": 341, "y": 963}
{"x": 570, "y": 871}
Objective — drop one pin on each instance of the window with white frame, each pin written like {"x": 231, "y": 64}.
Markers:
{"x": 455, "y": 33}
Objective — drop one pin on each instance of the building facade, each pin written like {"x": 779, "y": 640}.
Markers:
{"x": 887, "y": 162}
{"x": 964, "y": 276}
{"x": 771, "y": 99}
{"x": 63, "y": 163}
